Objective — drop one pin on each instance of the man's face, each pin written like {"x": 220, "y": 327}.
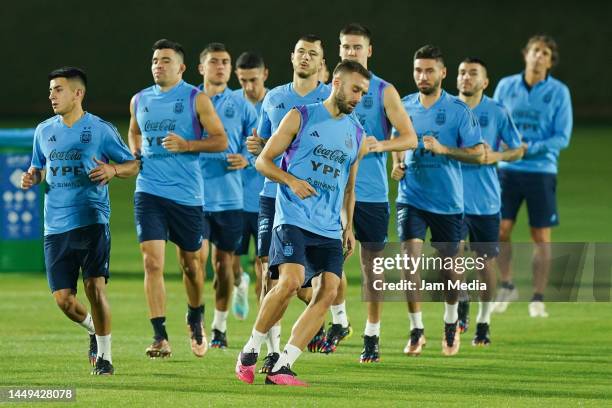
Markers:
{"x": 355, "y": 48}
{"x": 350, "y": 89}
{"x": 307, "y": 58}
{"x": 216, "y": 67}
{"x": 428, "y": 75}
{"x": 538, "y": 57}
{"x": 167, "y": 67}
{"x": 252, "y": 81}
{"x": 64, "y": 94}
{"x": 471, "y": 78}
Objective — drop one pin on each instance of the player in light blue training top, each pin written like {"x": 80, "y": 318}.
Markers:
{"x": 320, "y": 145}
{"x": 481, "y": 192}
{"x": 166, "y": 125}
{"x": 72, "y": 153}
{"x": 223, "y": 191}
{"x": 379, "y": 111}
{"x": 307, "y": 60}
{"x": 542, "y": 110}
{"x": 252, "y": 73}
{"x": 431, "y": 188}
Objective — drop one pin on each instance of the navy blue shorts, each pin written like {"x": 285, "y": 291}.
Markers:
{"x": 371, "y": 221}
{"x": 85, "y": 248}
{"x": 225, "y": 229}
{"x": 539, "y": 190}
{"x": 264, "y": 225}
{"x": 249, "y": 229}
{"x": 483, "y": 232}
{"x": 158, "y": 218}
{"x": 445, "y": 229}
{"x": 318, "y": 254}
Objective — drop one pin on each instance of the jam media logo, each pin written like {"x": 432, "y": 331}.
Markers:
{"x": 161, "y": 125}
{"x": 287, "y": 248}
{"x": 484, "y": 120}
{"x": 72, "y": 154}
{"x": 368, "y": 101}
{"x": 229, "y": 112}
{"x": 548, "y": 97}
{"x": 440, "y": 118}
{"x": 178, "y": 107}
{"x": 86, "y": 135}
{"x": 336, "y": 155}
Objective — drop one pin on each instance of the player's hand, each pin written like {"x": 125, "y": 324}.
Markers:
{"x": 489, "y": 157}
{"x": 236, "y": 161}
{"x": 348, "y": 242}
{"x": 302, "y": 188}
{"x": 137, "y": 153}
{"x": 398, "y": 172}
{"x": 255, "y": 143}
{"x": 431, "y": 144}
{"x": 28, "y": 179}
{"x": 374, "y": 146}
{"x": 103, "y": 173}
{"x": 175, "y": 144}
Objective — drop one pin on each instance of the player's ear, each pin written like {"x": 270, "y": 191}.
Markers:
{"x": 201, "y": 69}
{"x": 443, "y": 71}
{"x": 485, "y": 84}
{"x": 369, "y": 50}
{"x": 265, "y": 74}
{"x": 182, "y": 69}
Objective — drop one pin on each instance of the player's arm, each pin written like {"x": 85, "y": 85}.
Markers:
{"x": 562, "y": 128}
{"x": 279, "y": 142}
{"x": 473, "y": 154}
{"x": 134, "y": 133}
{"x": 104, "y": 172}
{"x": 32, "y": 177}
{"x": 348, "y": 205}
{"x": 216, "y": 140}
{"x": 255, "y": 143}
{"x": 399, "y": 168}
{"x": 405, "y": 136}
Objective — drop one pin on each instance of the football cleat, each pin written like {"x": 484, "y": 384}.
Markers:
{"x": 335, "y": 334}
{"x": 159, "y": 348}
{"x": 219, "y": 339}
{"x": 451, "y": 340}
{"x": 314, "y": 346}
{"x": 284, "y": 376}
{"x": 482, "y": 335}
{"x": 370, "y": 353}
{"x": 269, "y": 362}
{"x": 415, "y": 344}
{"x": 103, "y": 367}
{"x": 245, "y": 367}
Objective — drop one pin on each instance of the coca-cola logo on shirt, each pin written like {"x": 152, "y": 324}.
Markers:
{"x": 161, "y": 125}
{"x": 72, "y": 154}
{"x": 335, "y": 155}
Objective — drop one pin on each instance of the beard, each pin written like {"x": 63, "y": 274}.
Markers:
{"x": 430, "y": 89}
{"x": 342, "y": 104}
{"x": 468, "y": 93}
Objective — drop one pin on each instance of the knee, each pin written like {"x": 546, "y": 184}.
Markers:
{"x": 191, "y": 269}
{"x": 65, "y": 302}
{"x": 152, "y": 265}
{"x": 505, "y": 233}
{"x": 327, "y": 296}
{"x": 288, "y": 286}
{"x": 93, "y": 289}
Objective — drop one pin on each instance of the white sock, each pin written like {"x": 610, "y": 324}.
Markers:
{"x": 254, "y": 343}
{"x": 273, "y": 339}
{"x": 88, "y": 324}
{"x": 287, "y": 357}
{"x": 484, "y": 312}
{"x": 416, "y": 320}
{"x": 220, "y": 320}
{"x": 450, "y": 313}
{"x": 104, "y": 347}
{"x": 372, "y": 329}
{"x": 339, "y": 314}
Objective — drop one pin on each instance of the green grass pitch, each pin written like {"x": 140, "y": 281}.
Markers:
{"x": 565, "y": 360}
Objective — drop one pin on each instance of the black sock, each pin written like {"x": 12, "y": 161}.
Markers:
{"x": 159, "y": 328}
{"x": 507, "y": 285}
{"x": 195, "y": 314}
{"x": 537, "y": 297}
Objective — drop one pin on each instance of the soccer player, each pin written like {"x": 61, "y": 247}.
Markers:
{"x": 307, "y": 59}
{"x": 223, "y": 192}
{"x": 252, "y": 73}
{"x": 431, "y": 193}
{"x": 380, "y": 109}
{"x": 481, "y": 191}
{"x": 166, "y": 133}
{"x": 320, "y": 145}
{"x": 542, "y": 110}
{"x": 72, "y": 152}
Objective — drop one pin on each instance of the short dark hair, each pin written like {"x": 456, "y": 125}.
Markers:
{"x": 475, "y": 60}
{"x": 429, "y": 52}
{"x": 69, "y": 73}
{"x": 213, "y": 47}
{"x": 312, "y": 38}
{"x": 348, "y": 66}
{"x": 548, "y": 41}
{"x": 169, "y": 44}
{"x": 357, "y": 29}
{"x": 250, "y": 60}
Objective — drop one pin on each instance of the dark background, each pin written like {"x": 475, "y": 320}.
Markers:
{"x": 112, "y": 41}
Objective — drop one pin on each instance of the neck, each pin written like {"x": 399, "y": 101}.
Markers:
{"x": 332, "y": 106}
{"x": 532, "y": 77}
{"x": 471, "y": 101}
{"x": 70, "y": 118}
{"x": 258, "y": 98}
{"x": 428, "y": 100}
{"x": 211, "y": 89}
{"x": 169, "y": 86}
{"x": 304, "y": 86}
